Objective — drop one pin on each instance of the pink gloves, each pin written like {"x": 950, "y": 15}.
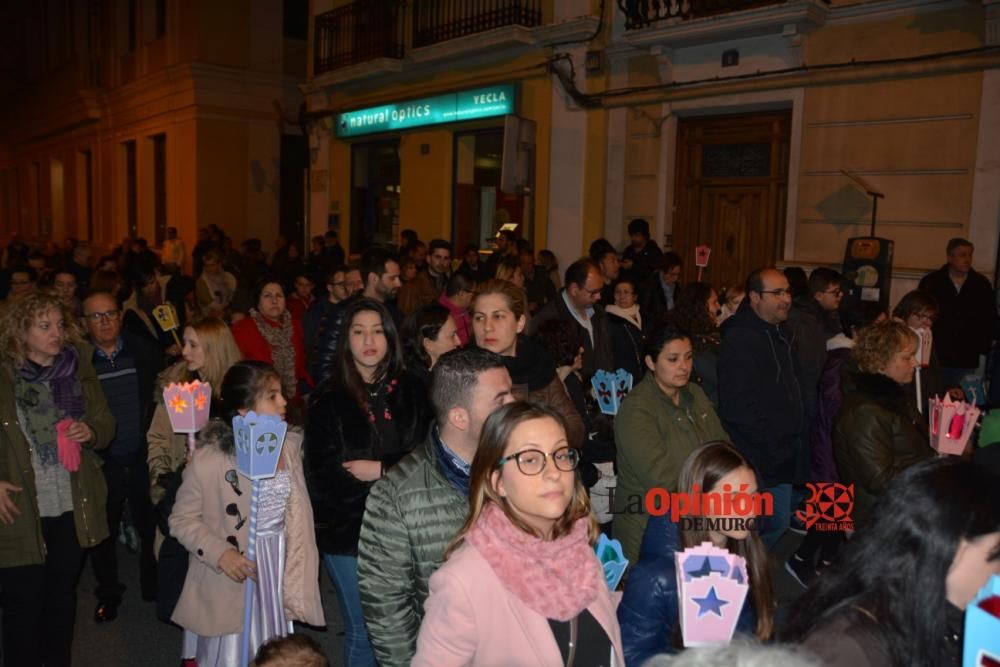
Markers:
{"x": 69, "y": 450}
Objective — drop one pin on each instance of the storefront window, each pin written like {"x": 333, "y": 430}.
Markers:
{"x": 481, "y": 209}
{"x": 375, "y": 195}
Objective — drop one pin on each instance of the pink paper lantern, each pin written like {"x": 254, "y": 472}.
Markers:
{"x": 188, "y": 405}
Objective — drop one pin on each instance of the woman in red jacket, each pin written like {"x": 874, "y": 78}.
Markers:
{"x": 270, "y": 334}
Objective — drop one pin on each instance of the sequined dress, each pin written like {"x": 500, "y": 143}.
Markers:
{"x": 268, "y": 618}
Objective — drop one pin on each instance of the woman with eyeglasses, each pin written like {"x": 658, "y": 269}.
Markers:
{"x": 210, "y": 520}
{"x": 627, "y": 326}
{"x": 918, "y": 310}
{"x": 521, "y": 584}
{"x": 663, "y": 419}
{"x": 53, "y": 418}
{"x": 363, "y": 419}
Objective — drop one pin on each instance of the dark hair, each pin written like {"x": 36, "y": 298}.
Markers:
{"x": 242, "y": 384}
{"x": 510, "y": 236}
{"x": 258, "y": 288}
{"x": 600, "y": 248}
{"x": 141, "y": 274}
{"x": 856, "y": 315}
{"x": 896, "y": 569}
{"x": 331, "y": 234}
{"x": 915, "y": 302}
{"x": 391, "y": 367}
{"x": 332, "y": 273}
{"x": 374, "y": 260}
{"x": 625, "y": 279}
{"x": 798, "y": 282}
{"x": 548, "y": 256}
{"x": 457, "y": 283}
{"x": 438, "y": 244}
{"x": 956, "y": 243}
{"x": 472, "y": 247}
{"x": 755, "y": 281}
{"x": 420, "y": 325}
{"x": 522, "y": 245}
{"x": 669, "y": 260}
{"x": 455, "y": 375}
{"x": 577, "y": 272}
{"x": 659, "y": 339}
{"x": 704, "y": 468}
{"x": 561, "y": 341}
{"x": 821, "y": 279}
{"x": 408, "y": 239}
{"x": 638, "y": 226}
{"x": 690, "y": 314}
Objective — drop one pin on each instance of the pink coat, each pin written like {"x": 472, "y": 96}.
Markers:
{"x": 211, "y": 604}
{"x": 470, "y": 618}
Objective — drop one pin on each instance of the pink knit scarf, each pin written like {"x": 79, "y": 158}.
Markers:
{"x": 558, "y": 578}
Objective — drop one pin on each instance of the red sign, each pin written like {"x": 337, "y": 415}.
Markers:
{"x": 829, "y": 507}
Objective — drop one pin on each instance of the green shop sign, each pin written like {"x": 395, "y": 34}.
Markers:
{"x": 485, "y": 102}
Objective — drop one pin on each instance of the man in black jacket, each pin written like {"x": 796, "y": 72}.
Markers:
{"x": 760, "y": 393}
{"x": 577, "y": 306}
{"x": 963, "y": 330}
{"x": 127, "y": 366}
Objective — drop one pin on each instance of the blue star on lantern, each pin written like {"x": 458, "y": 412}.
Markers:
{"x": 710, "y": 603}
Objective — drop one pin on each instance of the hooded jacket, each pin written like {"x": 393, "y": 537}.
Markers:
{"x": 761, "y": 398}
{"x": 648, "y": 611}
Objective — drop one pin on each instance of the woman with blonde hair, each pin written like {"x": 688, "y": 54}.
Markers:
{"x": 878, "y": 432}
{"x": 499, "y": 316}
{"x": 209, "y": 351}
{"x": 521, "y": 584}
{"x": 53, "y": 418}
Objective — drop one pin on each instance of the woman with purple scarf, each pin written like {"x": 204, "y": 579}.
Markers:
{"x": 53, "y": 418}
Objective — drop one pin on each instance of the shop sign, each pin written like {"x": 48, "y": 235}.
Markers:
{"x": 485, "y": 102}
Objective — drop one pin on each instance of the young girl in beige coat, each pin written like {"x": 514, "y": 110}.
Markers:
{"x": 210, "y": 519}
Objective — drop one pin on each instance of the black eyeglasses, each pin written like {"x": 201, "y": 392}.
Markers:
{"x": 776, "y": 292}
{"x": 533, "y": 461}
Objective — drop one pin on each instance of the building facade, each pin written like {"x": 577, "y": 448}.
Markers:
{"x": 757, "y": 127}
{"x": 129, "y": 116}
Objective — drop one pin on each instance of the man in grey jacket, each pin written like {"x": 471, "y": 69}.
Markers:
{"x": 415, "y": 510}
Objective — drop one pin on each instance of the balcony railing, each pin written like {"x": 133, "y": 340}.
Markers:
{"x": 358, "y": 32}
{"x": 644, "y": 13}
{"x": 440, "y": 20}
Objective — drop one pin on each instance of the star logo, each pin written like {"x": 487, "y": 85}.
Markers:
{"x": 199, "y": 400}
{"x": 178, "y": 403}
{"x": 710, "y": 603}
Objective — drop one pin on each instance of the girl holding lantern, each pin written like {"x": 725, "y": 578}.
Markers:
{"x": 210, "y": 519}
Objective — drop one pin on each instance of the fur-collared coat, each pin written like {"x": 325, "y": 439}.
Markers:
{"x": 339, "y": 430}
{"x": 211, "y": 603}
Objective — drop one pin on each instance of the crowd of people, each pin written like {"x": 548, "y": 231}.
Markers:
{"x": 449, "y": 466}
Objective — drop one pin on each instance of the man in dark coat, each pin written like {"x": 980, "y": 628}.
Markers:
{"x": 760, "y": 392}
{"x": 577, "y": 306}
{"x": 963, "y": 330}
{"x": 813, "y": 320}
{"x": 127, "y": 366}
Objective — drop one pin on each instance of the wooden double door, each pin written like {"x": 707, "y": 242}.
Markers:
{"x": 731, "y": 193}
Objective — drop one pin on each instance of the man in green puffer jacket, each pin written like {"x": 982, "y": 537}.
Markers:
{"x": 413, "y": 512}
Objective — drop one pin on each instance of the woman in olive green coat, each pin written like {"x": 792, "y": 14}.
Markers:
{"x": 52, "y": 493}
{"x": 663, "y": 419}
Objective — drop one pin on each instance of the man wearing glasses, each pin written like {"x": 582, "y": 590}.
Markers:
{"x": 760, "y": 392}
{"x": 127, "y": 366}
{"x": 814, "y": 321}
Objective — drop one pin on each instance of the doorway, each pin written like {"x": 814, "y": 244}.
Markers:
{"x": 731, "y": 193}
{"x": 374, "y": 195}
